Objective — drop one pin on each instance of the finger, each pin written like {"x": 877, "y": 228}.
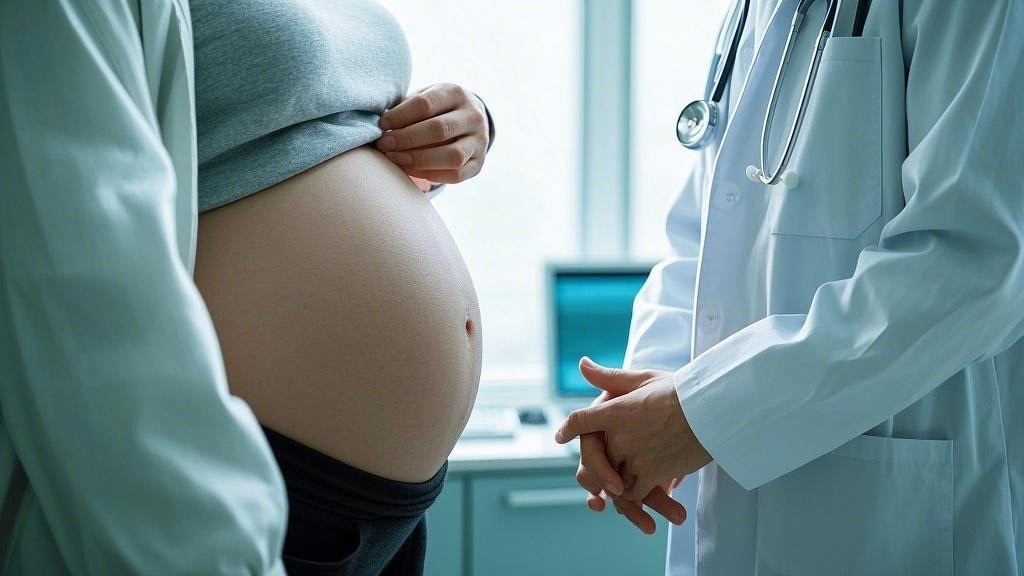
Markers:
{"x": 636, "y": 514}
{"x": 613, "y": 380}
{"x": 665, "y": 505}
{"x": 595, "y": 459}
{"x": 433, "y": 131}
{"x": 433, "y": 101}
{"x": 447, "y": 157}
{"x": 602, "y": 397}
{"x": 470, "y": 169}
{"x": 581, "y": 421}
{"x": 639, "y": 489}
{"x": 628, "y": 480}
{"x": 586, "y": 480}
{"x": 423, "y": 185}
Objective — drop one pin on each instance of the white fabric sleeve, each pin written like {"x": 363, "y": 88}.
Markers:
{"x": 112, "y": 383}
{"x": 944, "y": 287}
{"x": 660, "y": 330}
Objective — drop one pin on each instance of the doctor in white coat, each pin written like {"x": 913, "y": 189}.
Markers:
{"x": 847, "y": 352}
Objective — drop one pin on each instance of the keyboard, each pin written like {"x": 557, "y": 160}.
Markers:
{"x": 492, "y": 422}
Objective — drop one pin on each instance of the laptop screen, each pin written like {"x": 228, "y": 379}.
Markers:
{"x": 590, "y": 312}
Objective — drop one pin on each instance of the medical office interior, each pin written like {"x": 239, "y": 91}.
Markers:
{"x": 839, "y": 312}
{"x": 558, "y": 233}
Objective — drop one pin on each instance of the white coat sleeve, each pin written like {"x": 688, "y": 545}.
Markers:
{"x": 112, "y": 384}
{"x": 660, "y": 330}
{"x": 943, "y": 288}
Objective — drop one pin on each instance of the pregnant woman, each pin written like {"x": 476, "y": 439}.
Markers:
{"x": 346, "y": 315}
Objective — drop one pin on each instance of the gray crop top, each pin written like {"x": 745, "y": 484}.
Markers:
{"x": 282, "y": 85}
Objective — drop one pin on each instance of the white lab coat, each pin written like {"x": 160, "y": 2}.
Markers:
{"x": 857, "y": 367}
{"x": 121, "y": 451}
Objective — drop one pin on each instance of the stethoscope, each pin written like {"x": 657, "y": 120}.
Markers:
{"x": 699, "y": 119}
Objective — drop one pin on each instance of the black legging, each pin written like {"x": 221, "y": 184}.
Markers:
{"x": 344, "y": 521}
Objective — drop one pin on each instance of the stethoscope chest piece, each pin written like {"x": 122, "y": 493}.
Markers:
{"x": 697, "y": 123}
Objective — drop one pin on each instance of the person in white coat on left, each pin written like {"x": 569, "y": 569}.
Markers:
{"x": 121, "y": 451}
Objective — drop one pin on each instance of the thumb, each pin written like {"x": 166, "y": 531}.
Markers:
{"x": 612, "y": 380}
{"x": 580, "y": 422}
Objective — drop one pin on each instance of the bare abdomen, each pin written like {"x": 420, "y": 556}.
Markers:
{"x": 346, "y": 315}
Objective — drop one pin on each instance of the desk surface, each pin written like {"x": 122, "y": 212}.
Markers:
{"x": 533, "y": 447}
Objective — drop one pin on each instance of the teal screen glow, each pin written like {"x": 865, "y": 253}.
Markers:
{"x": 592, "y": 315}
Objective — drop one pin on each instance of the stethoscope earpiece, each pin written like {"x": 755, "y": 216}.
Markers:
{"x": 790, "y": 180}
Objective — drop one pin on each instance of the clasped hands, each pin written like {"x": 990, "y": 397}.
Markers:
{"x": 635, "y": 443}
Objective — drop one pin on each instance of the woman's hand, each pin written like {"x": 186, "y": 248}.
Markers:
{"x": 439, "y": 134}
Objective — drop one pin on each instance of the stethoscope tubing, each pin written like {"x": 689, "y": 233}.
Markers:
{"x": 762, "y": 173}
{"x": 725, "y": 72}
{"x": 698, "y": 120}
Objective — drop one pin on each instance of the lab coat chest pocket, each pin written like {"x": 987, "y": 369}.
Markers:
{"x": 872, "y": 506}
{"x": 837, "y": 155}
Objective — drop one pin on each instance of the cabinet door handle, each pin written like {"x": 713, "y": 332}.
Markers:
{"x": 549, "y": 498}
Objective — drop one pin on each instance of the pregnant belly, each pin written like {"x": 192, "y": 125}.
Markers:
{"x": 346, "y": 315}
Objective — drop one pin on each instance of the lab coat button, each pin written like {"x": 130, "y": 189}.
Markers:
{"x": 728, "y": 196}
{"x": 709, "y": 320}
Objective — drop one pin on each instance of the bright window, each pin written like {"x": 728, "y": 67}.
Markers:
{"x": 672, "y": 44}
{"x": 523, "y": 59}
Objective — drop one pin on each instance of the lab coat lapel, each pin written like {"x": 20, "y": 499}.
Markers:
{"x": 726, "y": 513}
{"x": 720, "y": 228}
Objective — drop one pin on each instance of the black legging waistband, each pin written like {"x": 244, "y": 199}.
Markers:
{"x": 338, "y": 488}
